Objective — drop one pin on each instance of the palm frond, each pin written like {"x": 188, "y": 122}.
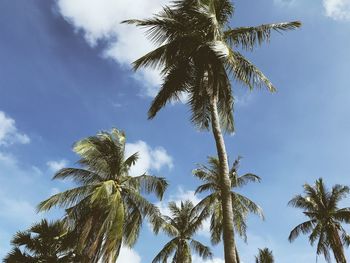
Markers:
{"x": 245, "y": 72}
{"x": 248, "y": 37}
{"x": 202, "y": 250}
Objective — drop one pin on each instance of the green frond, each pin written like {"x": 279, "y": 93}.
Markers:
{"x": 150, "y": 184}
{"x": 245, "y": 72}
{"x": 265, "y": 256}
{"x": 175, "y": 82}
{"x": 131, "y": 160}
{"x": 80, "y": 176}
{"x": 166, "y": 251}
{"x": 202, "y": 250}
{"x": 248, "y": 37}
{"x": 304, "y": 228}
{"x": 67, "y": 198}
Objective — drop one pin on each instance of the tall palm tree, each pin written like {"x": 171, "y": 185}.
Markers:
{"x": 46, "y": 242}
{"x": 183, "y": 223}
{"x": 106, "y": 208}
{"x": 265, "y": 256}
{"x": 197, "y": 54}
{"x": 241, "y": 205}
{"x": 325, "y": 219}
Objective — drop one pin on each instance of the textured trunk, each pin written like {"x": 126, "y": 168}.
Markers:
{"x": 228, "y": 233}
{"x": 338, "y": 249}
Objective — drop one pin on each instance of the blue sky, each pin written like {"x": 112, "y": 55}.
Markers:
{"x": 65, "y": 74}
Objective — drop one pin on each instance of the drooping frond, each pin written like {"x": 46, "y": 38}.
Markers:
{"x": 175, "y": 82}
{"x": 166, "y": 251}
{"x": 245, "y": 72}
{"x": 202, "y": 250}
{"x": 303, "y": 228}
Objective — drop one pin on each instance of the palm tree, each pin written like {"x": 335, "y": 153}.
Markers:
{"x": 197, "y": 54}
{"x": 181, "y": 226}
{"x": 106, "y": 208}
{"x": 46, "y": 242}
{"x": 241, "y": 205}
{"x": 265, "y": 256}
{"x": 325, "y": 218}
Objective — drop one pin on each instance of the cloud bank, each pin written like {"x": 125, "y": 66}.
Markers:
{"x": 99, "y": 21}
{"x": 150, "y": 159}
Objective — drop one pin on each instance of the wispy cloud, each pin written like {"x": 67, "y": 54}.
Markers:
{"x": 99, "y": 20}
{"x": 54, "y": 166}
{"x": 150, "y": 159}
{"x": 337, "y": 9}
{"x": 9, "y": 133}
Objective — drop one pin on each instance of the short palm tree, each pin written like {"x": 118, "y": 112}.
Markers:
{"x": 265, "y": 256}
{"x": 184, "y": 222}
{"x": 197, "y": 53}
{"x": 106, "y": 208}
{"x": 325, "y": 219}
{"x": 241, "y": 205}
{"x": 47, "y": 242}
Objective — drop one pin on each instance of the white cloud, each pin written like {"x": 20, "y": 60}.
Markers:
{"x": 9, "y": 133}
{"x": 337, "y": 9}
{"x": 150, "y": 159}
{"x": 128, "y": 255}
{"x": 99, "y": 20}
{"x": 54, "y": 166}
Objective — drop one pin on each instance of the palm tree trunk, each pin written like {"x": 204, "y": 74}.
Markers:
{"x": 338, "y": 249}
{"x": 227, "y": 213}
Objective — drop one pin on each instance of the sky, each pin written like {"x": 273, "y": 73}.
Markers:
{"x": 65, "y": 74}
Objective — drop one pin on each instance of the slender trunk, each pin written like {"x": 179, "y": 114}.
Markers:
{"x": 338, "y": 249}
{"x": 227, "y": 213}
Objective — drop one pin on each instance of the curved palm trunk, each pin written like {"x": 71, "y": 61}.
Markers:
{"x": 227, "y": 213}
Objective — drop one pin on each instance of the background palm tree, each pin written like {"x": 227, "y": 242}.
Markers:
{"x": 197, "y": 54}
{"x": 241, "y": 205}
{"x": 325, "y": 218}
{"x": 265, "y": 256}
{"x": 181, "y": 226}
{"x": 107, "y": 207}
{"x": 46, "y": 242}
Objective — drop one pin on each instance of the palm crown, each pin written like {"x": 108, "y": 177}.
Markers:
{"x": 265, "y": 256}
{"x": 107, "y": 207}
{"x": 241, "y": 205}
{"x": 184, "y": 222}
{"x": 325, "y": 217}
{"x": 43, "y": 242}
{"x": 198, "y": 52}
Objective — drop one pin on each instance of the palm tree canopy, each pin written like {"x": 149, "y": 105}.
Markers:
{"x": 265, "y": 256}
{"x": 241, "y": 205}
{"x": 325, "y": 218}
{"x": 183, "y": 223}
{"x": 198, "y": 53}
{"x": 106, "y": 208}
{"x": 43, "y": 242}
